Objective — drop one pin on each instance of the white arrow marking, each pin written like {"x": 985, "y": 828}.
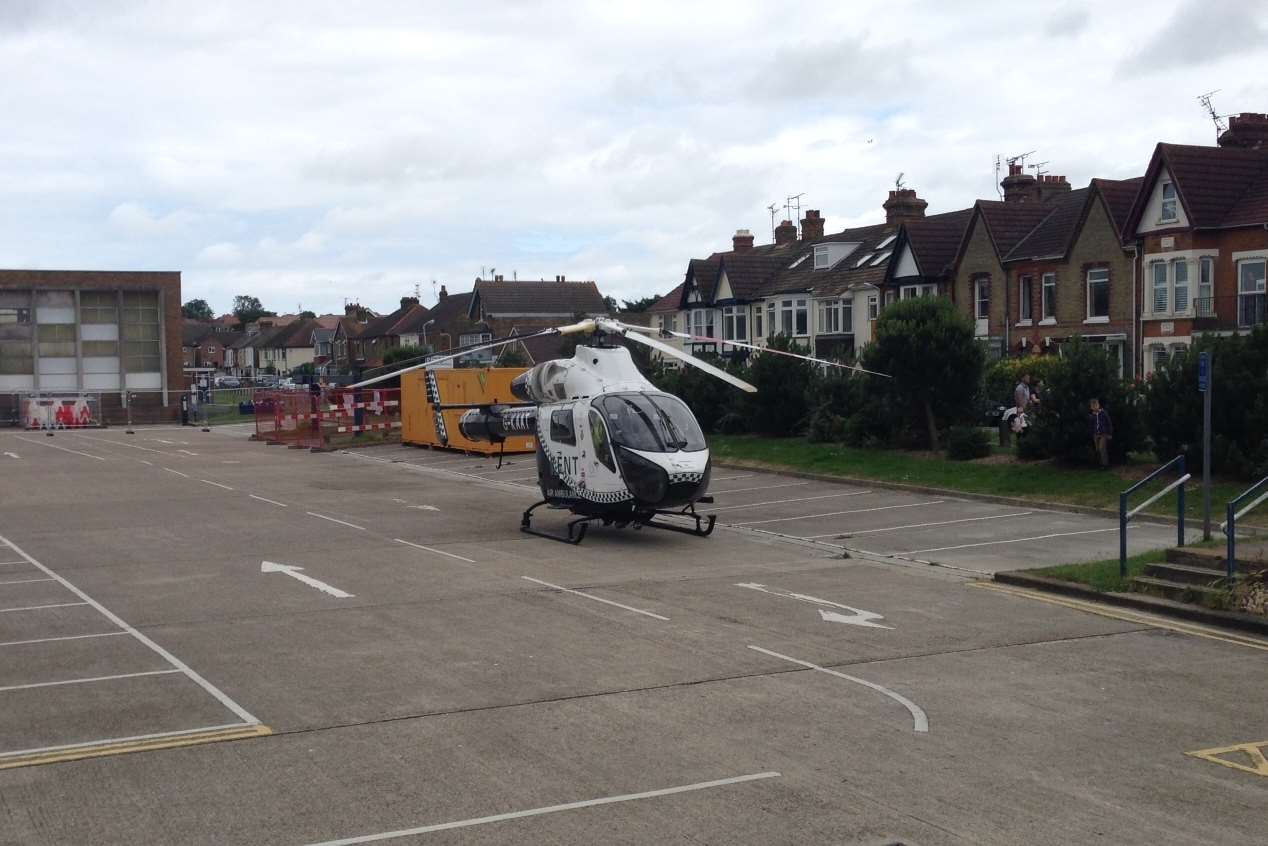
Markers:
{"x": 856, "y": 617}
{"x": 13, "y": 455}
{"x": 294, "y": 573}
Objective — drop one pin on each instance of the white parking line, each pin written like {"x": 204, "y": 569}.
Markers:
{"x": 217, "y": 484}
{"x": 430, "y": 549}
{"x": 41, "y": 607}
{"x": 733, "y": 478}
{"x": 146, "y": 463}
{"x": 118, "y": 443}
{"x": 269, "y": 501}
{"x": 921, "y": 525}
{"x": 65, "y": 637}
{"x": 550, "y": 809}
{"x": 918, "y": 715}
{"x": 177, "y": 472}
{"x": 595, "y": 598}
{"x": 783, "y": 501}
{"x": 764, "y": 488}
{"x": 839, "y": 513}
{"x": 25, "y": 581}
{"x": 333, "y": 520}
{"x": 63, "y": 449}
{"x": 1014, "y": 540}
{"x": 87, "y": 681}
{"x": 214, "y": 691}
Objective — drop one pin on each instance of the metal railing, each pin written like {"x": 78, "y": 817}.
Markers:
{"x": 1125, "y": 516}
{"x": 1229, "y": 526}
{"x": 1241, "y": 311}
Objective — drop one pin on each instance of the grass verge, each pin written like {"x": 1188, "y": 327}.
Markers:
{"x": 1040, "y": 481}
{"x": 1101, "y": 576}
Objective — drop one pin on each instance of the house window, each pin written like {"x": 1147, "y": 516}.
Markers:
{"x": 802, "y": 314}
{"x": 873, "y": 306}
{"x": 758, "y": 334}
{"x": 1251, "y": 293}
{"x": 1048, "y": 304}
{"x": 847, "y": 316}
{"x": 793, "y": 318}
{"x": 1168, "y": 203}
{"x": 702, "y": 322}
{"x": 891, "y": 296}
{"x": 829, "y": 314}
{"x": 735, "y": 323}
{"x": 1158, "y": 272}
{"x": 909, "y": 292}
{"x": 821, "y": 257}
{"x": 471, "y": 339}
{"x": 1204, "y": 303}
{"x": 1098, "y": 293}
{"x": 1025, "y": 310}
{"x": 1180, "y": 284}
{"x": 1158, "y": 355}
{"x": 983, "y": 298}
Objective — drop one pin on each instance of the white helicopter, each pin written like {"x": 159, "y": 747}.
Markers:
{"x": 611, "y": 446}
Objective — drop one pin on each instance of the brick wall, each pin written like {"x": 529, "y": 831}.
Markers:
{"x": 979, "y": 259}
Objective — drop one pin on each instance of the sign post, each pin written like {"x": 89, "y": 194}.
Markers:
{"x": 1204, "y": 385}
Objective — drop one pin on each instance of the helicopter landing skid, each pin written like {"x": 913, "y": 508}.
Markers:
{"x": 702, "y": 529}
{"x": 576, "y": 528}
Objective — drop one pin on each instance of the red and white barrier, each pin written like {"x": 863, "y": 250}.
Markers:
{"x": 371, "y": 427}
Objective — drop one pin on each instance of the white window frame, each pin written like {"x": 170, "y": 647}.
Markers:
{"x": 758, "y": 324}
{"x": 1087, "y": 291}
{"x": 1165, "y": 214}
{"x": 1048, "y": 299}
{"x": 1026, "y": 300}
{"x": 1180, "y": 305}
{"x": 735, "y": 323}
{"x": 982, "y": 304}
{"x": 829, "y": 317}
{"x": 910, "y": 292}
{"x": 801, "y": 319}
{"x": 1260, "y": 287}
{"x": 1204, "y": 302}
{"x": 873, "y": 306}
{"x": 822, "y": 257}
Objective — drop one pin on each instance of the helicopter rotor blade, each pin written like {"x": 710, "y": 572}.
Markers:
{"x": 618, "y": 328}
{"x": 433, "y": 360}
{"x": 704, "y": 339}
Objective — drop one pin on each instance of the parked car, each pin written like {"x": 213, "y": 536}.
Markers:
{"x": 228, "y": 382}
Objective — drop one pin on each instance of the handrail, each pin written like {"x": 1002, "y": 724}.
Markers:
{"x": 1124, "y": 515}
{"x": 1229, "y": 526}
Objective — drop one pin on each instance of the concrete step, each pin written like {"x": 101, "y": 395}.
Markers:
{"x": 1179, "y": 591}
{"x": 1185, "y": 574}
{"x": 1214, "y": 559}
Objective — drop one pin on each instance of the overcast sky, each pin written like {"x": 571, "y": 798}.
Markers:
{"x": 310, "y": 151}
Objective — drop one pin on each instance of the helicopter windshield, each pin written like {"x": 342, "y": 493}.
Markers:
{"x": 651, "y": 422}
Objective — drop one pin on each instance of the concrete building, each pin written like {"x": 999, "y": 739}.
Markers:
{"x": 71, "y": 332}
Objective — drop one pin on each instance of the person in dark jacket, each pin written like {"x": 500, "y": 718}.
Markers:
{"x": 1102, "y": 430}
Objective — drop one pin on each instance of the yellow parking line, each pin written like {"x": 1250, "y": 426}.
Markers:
{"x": 78, "y": 753}
{"x": 1128, "y": 616}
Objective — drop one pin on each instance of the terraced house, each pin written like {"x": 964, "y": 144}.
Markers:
{"x": 1200, "y": 227}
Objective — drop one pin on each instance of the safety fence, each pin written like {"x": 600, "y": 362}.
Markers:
{"x": 331, "y": 419}
{"x": 52, "y": 411}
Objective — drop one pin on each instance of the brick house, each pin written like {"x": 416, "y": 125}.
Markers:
{"x": 1199, "y": 225}
{"x": 1070, "y": 275}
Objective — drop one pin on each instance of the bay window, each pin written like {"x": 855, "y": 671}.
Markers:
{"x": 702, "y": 322}
{"x": 830, "y": 317}
{"x": 793, "y": 318}
{"x": 735, "y": 323}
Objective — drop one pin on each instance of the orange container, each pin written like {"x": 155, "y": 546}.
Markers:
{"x": 423, "y": 389}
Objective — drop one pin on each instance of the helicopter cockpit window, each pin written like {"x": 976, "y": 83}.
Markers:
{"x": 651, "y": 422}
{"x": 561, "y": 428}
{"x": 599, "y": 440}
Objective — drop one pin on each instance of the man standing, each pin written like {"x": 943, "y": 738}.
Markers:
{"x": 1102, "y": 431}
{"x": 1021, "y": 394}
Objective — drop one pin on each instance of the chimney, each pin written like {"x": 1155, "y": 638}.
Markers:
{"x": 497, "y": 278}
{"x": 812, "y": 225}
{"x": 406, "y": 302}
{"x": 1019, "y": 187}
{"x": 785, "y": 233}
{"x": 904, "y": 204}
{"x": 742, "y": 241}
{"x": 1050, "y": 186}
{"x": 442, "y": 295}
{"x": 1248, "y": 130}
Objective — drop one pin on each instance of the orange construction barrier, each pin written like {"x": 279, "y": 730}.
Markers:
{"x": 422, "y": 390}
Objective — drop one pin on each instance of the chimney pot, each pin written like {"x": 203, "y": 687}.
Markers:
{"x": 785, "y": 233}
{"x": 904, "y": 204}
{"x": 1248, "y": 130}
{"x": 742, "y": 241}
{"x": 443, "y": 293}
{"x": 812, "y": 225}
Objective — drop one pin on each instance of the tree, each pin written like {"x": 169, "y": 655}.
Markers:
{"x": 403, "y": 353}
{"x": 307, "y": 315}
{"x": 610, "y": 304}
{"x": 198, "y": 310}
{"x": 927, "y": 347}
{"x": 249, "y": 309}
{"x": 780, "y": 407}
{"x": 641, "y": 304}
{"x": 512, "y": 355}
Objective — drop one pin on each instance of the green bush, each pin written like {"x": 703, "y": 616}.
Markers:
{"x": 709, "y": 398}
{"x": 1002, "y": 376}
{"x": 826, "y": 426}
{"x": 1239, "y": 405}
{"x": 927, "y": 347}
{"x": 780, "y": 407}
{"x": 967, "y": 442}
{"x": 1060, "y": 427}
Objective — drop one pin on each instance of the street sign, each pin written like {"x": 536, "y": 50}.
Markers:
{"x": 1204, "y": 385}
{"x": 1204, "y": 371}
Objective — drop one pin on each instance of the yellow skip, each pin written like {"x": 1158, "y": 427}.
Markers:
{"x": 1254, "y": 753}
{"x": 1127, "y": 615}
{"x": 102, "y": 750}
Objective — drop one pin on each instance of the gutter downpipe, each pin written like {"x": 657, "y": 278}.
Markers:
{"x": 1135, "y": 315}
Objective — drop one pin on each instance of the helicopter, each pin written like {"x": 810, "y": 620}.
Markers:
{"x": 612, "y": 448}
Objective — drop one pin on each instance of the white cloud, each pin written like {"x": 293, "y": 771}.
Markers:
{"x": 308, "y": 152}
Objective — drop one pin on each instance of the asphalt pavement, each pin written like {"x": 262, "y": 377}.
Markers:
{"x": 208, "y": 640}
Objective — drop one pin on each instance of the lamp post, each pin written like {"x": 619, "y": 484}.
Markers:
{"x": 425, "y": 325}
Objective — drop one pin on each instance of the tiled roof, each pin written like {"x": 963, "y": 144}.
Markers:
{"x": 1220, "y": 186}
{"x": 935, "y": 240}
{"x": 1009, "y": 223}
{"x": 747, "y": 272}
{"x": 1119, "y": 194}
{"x": 669, "y": 302}
{"x": 1055, "y": 233}
{"x": 194, "y": 332}
{"x": 704, "y": 274}
{"x": 395, "y": 323}
{"x": 322, "y": 335}
{"x": 541, "y": 297}
{"x": 846, "y": 273}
